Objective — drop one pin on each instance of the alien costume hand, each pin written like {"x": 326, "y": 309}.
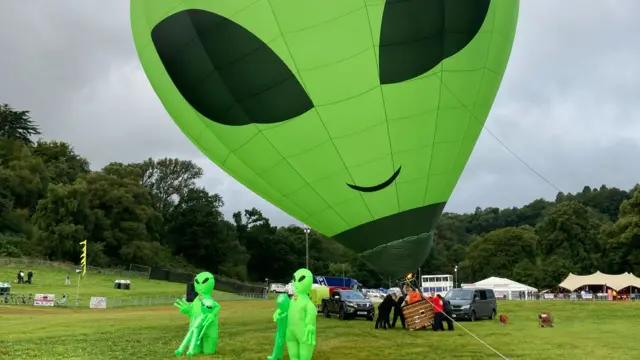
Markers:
{"x": 276, "y": 314}
{"x": 310, "y": 334}
{"x": 183, "y": 305}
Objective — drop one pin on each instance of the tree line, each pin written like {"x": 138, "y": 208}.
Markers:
{"x": 154, "y": 213}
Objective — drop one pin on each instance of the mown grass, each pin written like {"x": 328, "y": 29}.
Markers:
{"x": 582, "y": 330}
{"x": 51, "y": 280}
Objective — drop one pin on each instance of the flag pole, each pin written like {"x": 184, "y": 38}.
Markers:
{"x": 83, "y": 263}
{"x": 78, "y": 289}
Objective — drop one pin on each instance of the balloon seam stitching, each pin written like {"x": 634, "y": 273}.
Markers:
{"x": 475, "y": 100}
{"x": 321, "y": 121}
{"x": 384, "y": 105}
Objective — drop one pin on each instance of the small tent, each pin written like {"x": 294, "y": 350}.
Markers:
{"x": 503, "y": 287}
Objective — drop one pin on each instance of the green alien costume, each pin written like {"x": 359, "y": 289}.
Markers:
{"x": 301, "y": 322}
{"x": 197, "y": 328}
{"x": 281, "y": 329}
{"x": 204, "y": 284}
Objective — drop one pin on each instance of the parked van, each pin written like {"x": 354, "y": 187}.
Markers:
{"x": 278, "y": 288}
{"x": 472, "y": 304}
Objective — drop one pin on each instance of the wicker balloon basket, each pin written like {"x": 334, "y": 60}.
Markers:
{"x": 418, "y": 315}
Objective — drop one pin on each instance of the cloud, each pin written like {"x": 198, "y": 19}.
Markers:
{"x": 567, "y": 105}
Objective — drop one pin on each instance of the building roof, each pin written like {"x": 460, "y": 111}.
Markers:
{"x": 617, "y": 282}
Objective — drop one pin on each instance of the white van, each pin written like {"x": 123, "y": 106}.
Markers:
{"x": 278, "y": 288}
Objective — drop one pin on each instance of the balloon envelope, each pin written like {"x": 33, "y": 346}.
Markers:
{"x": 355, "y": 117}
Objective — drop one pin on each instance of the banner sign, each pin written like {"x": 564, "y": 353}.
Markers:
{"x": 98, "y": 302}
{"x": 549, "y": 296}
{"x": 44, "y": 300}
{"x": 587, "y": 296}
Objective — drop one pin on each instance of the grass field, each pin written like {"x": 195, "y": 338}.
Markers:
{"x": 582, "y": 330}
{"x": 51, "y": 280}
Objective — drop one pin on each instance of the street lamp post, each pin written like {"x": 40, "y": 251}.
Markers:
{"x": 306, "y": 236}
{"x": 455, "y": 280}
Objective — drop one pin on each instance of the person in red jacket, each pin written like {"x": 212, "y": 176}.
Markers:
{"x": 437, "y": 312}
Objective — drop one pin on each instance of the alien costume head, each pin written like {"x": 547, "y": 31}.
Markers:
{"x": 282, "y": 302}
{"x": 302, "y": 282}
{"x": 204, "y": 283}
{"x": 207, "y": 306}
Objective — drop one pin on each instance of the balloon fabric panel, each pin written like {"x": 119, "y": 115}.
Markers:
{"x": 355, "y": 117}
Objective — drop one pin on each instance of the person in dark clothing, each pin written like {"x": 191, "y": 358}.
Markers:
{"x": 29, "y": 276}
{"x": 397, "y": 310}
{"x": 384, "y": 311}
{"x": 448, "y": 312}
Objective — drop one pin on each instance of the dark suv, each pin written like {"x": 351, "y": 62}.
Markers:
{"x": 348, "y": 304}
{"x": 472, "y": 304}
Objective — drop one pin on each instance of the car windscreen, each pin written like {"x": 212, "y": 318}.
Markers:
{"x": 352, "y": 295}
{"x": 459, "y": 295}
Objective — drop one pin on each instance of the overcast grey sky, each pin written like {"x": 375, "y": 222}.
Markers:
{"x": 568, "y": 105}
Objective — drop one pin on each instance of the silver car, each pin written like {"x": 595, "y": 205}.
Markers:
{"x": 472, "y": 304}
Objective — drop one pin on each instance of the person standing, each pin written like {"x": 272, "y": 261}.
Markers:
{"x": 21, "y": 277}
{"x": 68, "y": 281}
{"x": 437, "y": 313}
{"x": 30, "y": 276}
{"x": 448, "y": 313}
{"x": 397, "y": 310}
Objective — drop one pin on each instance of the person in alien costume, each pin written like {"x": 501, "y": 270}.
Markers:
{"x": 203, "y": 284}
{"x": 301, "y": 322}
{"x": 198, "y": 327}
{"x": 281, "y": 329}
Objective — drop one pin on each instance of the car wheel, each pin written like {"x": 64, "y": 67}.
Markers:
{"x": 493, "y": 314}
{"x": 326, "y": 311}
{"x": 341, "y": 314}
{"x": 472, "y": 317}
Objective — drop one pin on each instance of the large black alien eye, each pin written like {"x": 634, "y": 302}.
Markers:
{"x": 302, "y": 278}
{"x": 416, "y": 35}
{"x": 205, "y": 280}
{"x": 196, "y": 281}
{"x": 225, "y": 72}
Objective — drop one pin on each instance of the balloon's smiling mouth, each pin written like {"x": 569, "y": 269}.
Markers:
{"x": 379, "y": 186}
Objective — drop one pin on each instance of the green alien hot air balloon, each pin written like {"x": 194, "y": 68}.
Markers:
{"x": 356, "y": 117}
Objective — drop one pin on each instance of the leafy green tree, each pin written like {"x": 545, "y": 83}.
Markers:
{"x": 169, "y": 180}
{"x": 623, "y": 238}
{"x": 499, "y": 252}
{"x": 63, "y": 165}
{"x": 17, "y": 124}
{"x": 570, "y": 231}
{"x": 197, "y": 230}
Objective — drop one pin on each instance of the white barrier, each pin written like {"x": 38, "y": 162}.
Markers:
{"x": 44, "y": 300}
{"x": 98, "y": 302}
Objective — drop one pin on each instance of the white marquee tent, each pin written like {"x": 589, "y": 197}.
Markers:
{"x": 616, "y": 282}
{"x": 502, "y": 287}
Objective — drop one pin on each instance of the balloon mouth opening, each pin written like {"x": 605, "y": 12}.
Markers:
{"x": 401, "y": 257}
{"x": 378, "y": 187}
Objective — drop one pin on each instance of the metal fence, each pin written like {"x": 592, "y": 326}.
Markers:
{"x": 118, "y": 302}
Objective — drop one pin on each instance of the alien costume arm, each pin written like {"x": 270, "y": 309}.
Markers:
{"x": 216, "y": 309}
{"x": 310, "y": 323}
{"x": 193, "y": 336}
